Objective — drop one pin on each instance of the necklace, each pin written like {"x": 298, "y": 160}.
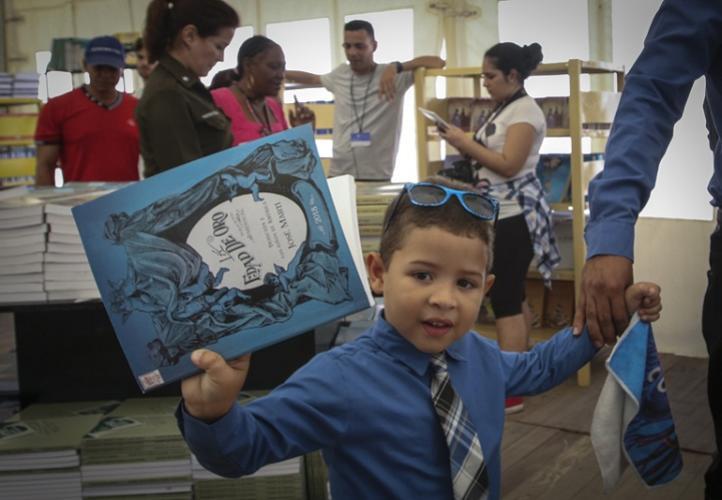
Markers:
{"x": 265, "y": 120}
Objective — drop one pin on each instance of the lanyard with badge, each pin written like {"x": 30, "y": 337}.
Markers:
{"x": 489, "y": 127}
{"x": 361, "y": 138}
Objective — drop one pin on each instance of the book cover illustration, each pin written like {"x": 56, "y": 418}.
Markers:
{"x": 234, "y": 251}
{"x": 554, "y": 172}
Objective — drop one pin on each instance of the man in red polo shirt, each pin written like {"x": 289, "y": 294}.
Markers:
{"x": 90, "y": 132}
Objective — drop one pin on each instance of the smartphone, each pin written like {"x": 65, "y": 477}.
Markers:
{"x": 431, "y": 115}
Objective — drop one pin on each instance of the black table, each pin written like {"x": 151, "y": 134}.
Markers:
{"x": 69, "y": 352}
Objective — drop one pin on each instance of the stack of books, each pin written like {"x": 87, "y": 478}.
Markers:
{"x": 39, "y": 456}
{"x": 280, "y": 481}
{"x": 556, "y": 111}
{"x": 41, "y": 256}
{"x": 25, "y": 85}
{"x": 22, "y": 244}
{"x": 372, "y": 199}
{"x": 6, "y": 85}
{"x": 135, "y": 450}
{"x": 67, "y": 272}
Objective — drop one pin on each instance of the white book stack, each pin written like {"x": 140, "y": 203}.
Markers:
{"x": 6, "y": 85}
{"x": 22, "y": 244}
{"x": 25, "y": 85}
{"x": 67, "y": 272}
{"x": 36, "y": 265}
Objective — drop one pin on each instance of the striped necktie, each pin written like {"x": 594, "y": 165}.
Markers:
{"x": 468, "y": 470}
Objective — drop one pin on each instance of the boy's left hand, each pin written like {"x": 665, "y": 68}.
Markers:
{"x": 644, "y": 298}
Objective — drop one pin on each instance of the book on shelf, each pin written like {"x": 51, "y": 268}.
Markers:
{"x": 234, "y": 252}
{"x": 555, "y": 173}
{"x": 556, "y": 111}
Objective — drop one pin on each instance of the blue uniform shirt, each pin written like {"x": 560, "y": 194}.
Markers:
{"x": 683, "y": 44}
{"x": 367, "y": 405}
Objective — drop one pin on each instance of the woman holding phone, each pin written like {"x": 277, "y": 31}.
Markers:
{"x": 252, "y": 102}
{"x": 504, "y": 153}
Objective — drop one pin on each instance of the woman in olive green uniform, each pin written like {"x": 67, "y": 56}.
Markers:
{"x": 176, "y": 116}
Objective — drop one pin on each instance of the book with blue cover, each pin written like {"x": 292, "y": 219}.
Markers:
{"x": 234, "y": 252}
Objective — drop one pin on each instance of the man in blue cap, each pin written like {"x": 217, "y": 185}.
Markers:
{"x": 90, "y": 132}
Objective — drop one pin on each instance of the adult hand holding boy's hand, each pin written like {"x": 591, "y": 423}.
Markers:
{"x": 211, "y": 394}
{"x": 600, "y": 304}
{"x": 644, "y": 298}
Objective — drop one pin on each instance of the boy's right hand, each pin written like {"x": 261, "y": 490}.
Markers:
{"x": 644, "y": 298}
{"x": 211, "y": 394}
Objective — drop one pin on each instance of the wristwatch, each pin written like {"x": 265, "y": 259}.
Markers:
{"x": 399, "y": 67}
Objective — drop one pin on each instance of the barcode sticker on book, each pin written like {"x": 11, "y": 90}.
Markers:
{"x": 151, "y": 379}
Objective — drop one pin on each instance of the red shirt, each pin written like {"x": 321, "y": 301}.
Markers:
{"x": 96, "y": 143}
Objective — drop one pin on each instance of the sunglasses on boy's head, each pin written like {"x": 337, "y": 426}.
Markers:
{"x": 426, "y": 194}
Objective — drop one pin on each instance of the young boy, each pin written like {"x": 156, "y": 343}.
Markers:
{"x": 368, "y": 404}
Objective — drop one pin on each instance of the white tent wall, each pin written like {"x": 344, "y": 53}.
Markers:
{"x": 32, "y": 24}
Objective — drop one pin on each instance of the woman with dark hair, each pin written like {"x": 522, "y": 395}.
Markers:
{"x": 505, "y": 152}
{"x": 177, "y": 118}
{"x": 252, "y": 100}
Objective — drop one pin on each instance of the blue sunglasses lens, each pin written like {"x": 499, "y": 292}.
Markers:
{"x": 480, "y": 205}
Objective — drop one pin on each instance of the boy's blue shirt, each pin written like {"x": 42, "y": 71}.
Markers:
{"x": 367, "y": 405}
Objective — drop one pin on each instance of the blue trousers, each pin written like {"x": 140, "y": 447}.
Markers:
{"x": 712, "y": 331}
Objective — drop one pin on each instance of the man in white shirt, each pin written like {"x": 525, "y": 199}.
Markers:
{"x": 368, "y": 104}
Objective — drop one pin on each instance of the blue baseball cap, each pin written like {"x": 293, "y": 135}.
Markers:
{"x": 105, "y": 51}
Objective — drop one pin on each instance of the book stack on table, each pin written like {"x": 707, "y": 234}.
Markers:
{"x": 22, "y": 244}
{"x": 135, "y": 450}
{"x": 67, "y": 272}
{"x": 372, "y": 199}
{"x": 280, "y": 481}
{"x": 41, "y": 256}
{"x": 39, "y": 455}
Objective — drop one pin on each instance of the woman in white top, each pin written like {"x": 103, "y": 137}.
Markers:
{"x": 505, "y": 152}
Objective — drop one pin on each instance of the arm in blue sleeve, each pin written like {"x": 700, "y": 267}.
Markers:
{"x": 307, "y": 412}
{"x": 547, "y": 364}
{"x": 679, "y": 48}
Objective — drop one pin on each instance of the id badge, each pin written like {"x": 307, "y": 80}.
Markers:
{"x": 360, "y": 140}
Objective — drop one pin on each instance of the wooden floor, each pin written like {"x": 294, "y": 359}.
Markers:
{"x": 547, "y": 453}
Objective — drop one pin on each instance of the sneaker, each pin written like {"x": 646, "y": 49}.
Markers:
{"x": 514, "y": 404}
